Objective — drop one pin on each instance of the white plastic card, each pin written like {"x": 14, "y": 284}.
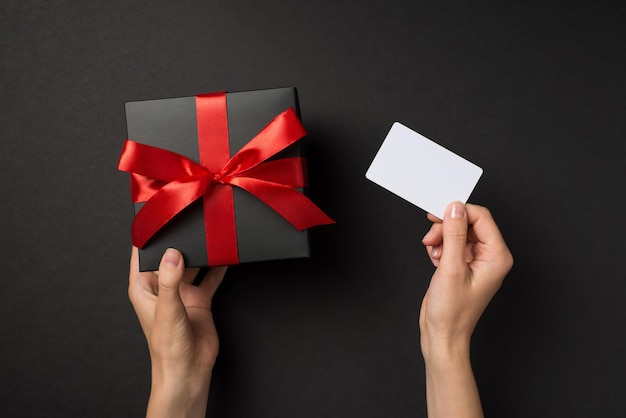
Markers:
{"x": 421, "y": 171}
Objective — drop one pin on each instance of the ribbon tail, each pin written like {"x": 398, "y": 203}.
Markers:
{"x": 165, "y": 204}
{"x": 142, "y": 188}
{"x": 289, "y": 203}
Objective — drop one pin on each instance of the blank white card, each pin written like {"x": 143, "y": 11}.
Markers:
{"x": 422, "y": 172}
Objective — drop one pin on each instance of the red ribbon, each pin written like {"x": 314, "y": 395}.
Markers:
{"x": 169, "y": 182}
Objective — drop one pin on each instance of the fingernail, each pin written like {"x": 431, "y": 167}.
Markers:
{"x": 171, "y": 258}
{"x": 428, "y": 235}
{"x": 436, "y": 251}
{"x": 457, "y": 210}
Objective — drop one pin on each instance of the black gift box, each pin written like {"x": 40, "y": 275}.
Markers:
{"x": 171, "y": 124}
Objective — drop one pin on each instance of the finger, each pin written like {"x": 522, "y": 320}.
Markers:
{"x": 190, "y": 274}
{"x": 434, "y": 236}
{"x": 471, "y": 235}
{"x": 136, "y": 278}
{"x": 454, "y": 237}
{"x": 433, "y": 240}
{"x": 212, "y": 280}
{"x": 435, "y": 254}
{"x": 134, "y": 264}
{"x": 433, "y": 218}
{"x": 169, "y": 306}
{"x": 135, "y": 288}
{"x": 469, "y": 252}
{"x": 139, "y": 283}
{"x": 142, "y": 290}
{"x": 484, "y": 228}
{"x": 487, "y": 233}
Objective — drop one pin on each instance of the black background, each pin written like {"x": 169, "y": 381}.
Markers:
{"x": 534, "y": 92}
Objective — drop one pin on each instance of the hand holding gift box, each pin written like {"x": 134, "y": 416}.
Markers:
{"x": 172, "y": 191}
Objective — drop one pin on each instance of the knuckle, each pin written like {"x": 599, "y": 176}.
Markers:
{"x": 484, "y": 211}
{"x": 131, "y": 295}
{"x": 504, "y": 264}
{"x": 456, "y": 236}
{"x": 508, "y": 261}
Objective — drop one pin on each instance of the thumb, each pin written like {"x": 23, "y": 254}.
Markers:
{"x": 454, "y": 237}
{"x": 169, "y": 306}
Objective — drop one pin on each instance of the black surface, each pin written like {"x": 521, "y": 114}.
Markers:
{"x": 534, "y": 92}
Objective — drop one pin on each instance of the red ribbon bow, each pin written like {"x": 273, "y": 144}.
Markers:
{"x": 169, "y": 182}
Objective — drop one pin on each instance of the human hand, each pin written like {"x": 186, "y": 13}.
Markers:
{"x": 472, "y": 260}
{"x": 178, "y": 324}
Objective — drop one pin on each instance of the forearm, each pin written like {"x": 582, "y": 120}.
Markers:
{"x": 451, "y": 389}
{"x": 178, "y": 399}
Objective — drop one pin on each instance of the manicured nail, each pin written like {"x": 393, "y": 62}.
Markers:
{"x": 436, "y": 252}
{"x": 171, "y": 258}
{"x": 457, "y": 210}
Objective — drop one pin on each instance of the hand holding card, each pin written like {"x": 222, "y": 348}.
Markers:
{"x": 421, "y": 171}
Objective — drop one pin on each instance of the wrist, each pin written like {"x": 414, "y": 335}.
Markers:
{"x": 442, "y": 350}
